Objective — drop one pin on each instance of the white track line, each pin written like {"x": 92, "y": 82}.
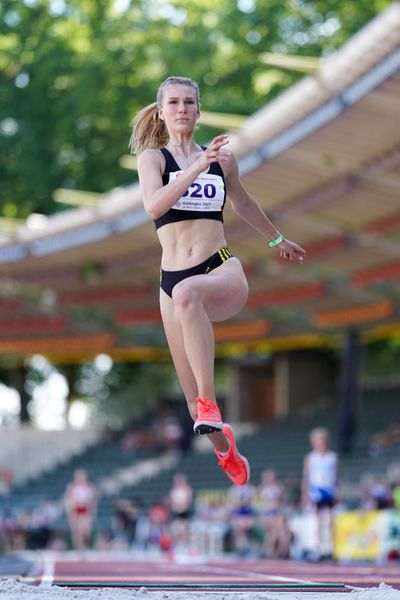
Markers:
{"x": 47, "y": 577}
{"x": 236, "y": 572}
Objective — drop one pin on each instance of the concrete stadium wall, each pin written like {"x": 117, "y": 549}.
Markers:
{"x": 27, "y": 452}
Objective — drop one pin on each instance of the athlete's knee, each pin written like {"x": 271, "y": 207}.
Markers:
{"x": 185, "y": 296}
{"x": 242, "y": 287}
{"x": 242, "y": 292}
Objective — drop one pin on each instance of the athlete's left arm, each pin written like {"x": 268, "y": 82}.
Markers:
{"x": 337, "y": 475}
{"x": 250, "y": 211}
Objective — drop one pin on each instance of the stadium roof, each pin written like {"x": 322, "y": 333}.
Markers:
{"x": 323, "y": 160}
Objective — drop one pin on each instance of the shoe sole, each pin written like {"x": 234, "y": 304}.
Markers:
{"x": 243, "y": 458}
{"x": 206, "y": 427}
{"x": 246, "y": 462}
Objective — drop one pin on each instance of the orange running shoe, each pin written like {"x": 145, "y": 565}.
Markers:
{"x": 234, "y": 464}
{"x": 209, "y": 418}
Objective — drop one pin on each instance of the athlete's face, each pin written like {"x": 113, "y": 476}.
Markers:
{"x": 179, "y": 108}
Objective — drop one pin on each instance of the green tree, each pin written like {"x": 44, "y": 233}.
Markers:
{"x": 72, "y": 75}
{"x": 125, "y": 392}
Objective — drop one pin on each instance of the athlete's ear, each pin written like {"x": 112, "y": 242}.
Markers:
{"x": 160, "y": 115}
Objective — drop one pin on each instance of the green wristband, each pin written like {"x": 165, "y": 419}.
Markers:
{"x": 278, "y": 240}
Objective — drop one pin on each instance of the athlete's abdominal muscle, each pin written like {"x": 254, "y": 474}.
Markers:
{"x": 188, "y": 243}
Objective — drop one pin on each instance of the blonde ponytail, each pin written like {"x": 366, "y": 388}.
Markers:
{"x": 148, "y": 130}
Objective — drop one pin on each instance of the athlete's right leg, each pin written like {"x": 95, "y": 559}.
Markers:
{"x": 173, "y": 332}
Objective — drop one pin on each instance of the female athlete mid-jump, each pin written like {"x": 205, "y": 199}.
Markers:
{"x": 184, "y": 188}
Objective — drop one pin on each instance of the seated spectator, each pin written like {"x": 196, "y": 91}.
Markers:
{"x": 377, "y": 494}
{"x": 167, "y": 429}
{"x": 40, "y": 528}
{"x": 393, "y": 435}
{"x": 126, "y": 515}
{"x": 384, "y": 440}
{"x": 159, "y": 522}
{"x": 6, "y": 478}
{"x": 9, "y": 529}
{"x": 134, "y": 440}
{"x": 276, "y": 531}
{"x": 243, "y": 517}
{"x": 292, "y": 488}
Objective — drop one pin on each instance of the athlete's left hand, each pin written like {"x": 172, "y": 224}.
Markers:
{"x": 291, "y": 251}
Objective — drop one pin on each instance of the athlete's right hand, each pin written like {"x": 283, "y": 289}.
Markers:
{"x": 214, "y": 152}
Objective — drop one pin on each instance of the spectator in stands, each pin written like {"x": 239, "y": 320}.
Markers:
{"x": 40, "y": 528}
{"x": 181, "y": 503}
{"x": 134, "y": 440}
{"x": 8, "y": 530}
{"x": 292, "y": 488}
{"x": 377, "y": 494}
{"x": 80, "y": 506}
{"x": 168, "y": 429}
{"x": 384, "y": 440}
{"x": 6, "y": 478}
{"x": 126, "y": 515}
{"x": 243, "y": 518}
{"x": 393, "y": 435}
{"x": 271, "y": 495}
{"x": 159, "y": 527}
{"x": 320, "y": 485}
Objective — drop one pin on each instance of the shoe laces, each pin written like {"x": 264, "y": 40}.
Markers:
{"x": 228, "y": 464}
{"x": 207, "y": 406}
{"x": 205, "y": 402}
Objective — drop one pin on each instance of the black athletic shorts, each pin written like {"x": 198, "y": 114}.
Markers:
{"x": 169, "y": 279}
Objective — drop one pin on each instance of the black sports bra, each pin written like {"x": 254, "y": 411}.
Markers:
{"x": 205, "y": 198}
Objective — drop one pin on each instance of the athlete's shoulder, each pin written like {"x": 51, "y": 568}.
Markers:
{"x": 150, "y": 154}
{"x": 150, "y": 158}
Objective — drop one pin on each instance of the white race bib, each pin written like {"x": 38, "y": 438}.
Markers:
{"x": 206, "y": 194}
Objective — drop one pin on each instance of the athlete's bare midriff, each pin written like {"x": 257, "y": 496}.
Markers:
{"x": 185, "y": 244}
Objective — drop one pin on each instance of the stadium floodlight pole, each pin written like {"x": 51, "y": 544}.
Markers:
{"x": 77, "y": 197}
{"x": 290, "y": 62}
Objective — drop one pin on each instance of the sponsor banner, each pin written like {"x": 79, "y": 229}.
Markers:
{"x": 360, "y": 535}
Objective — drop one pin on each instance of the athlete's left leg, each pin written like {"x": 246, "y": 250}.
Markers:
{"x": 200, "y": 300}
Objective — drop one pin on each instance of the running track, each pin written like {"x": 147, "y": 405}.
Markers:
{"x": 96, "y": 570}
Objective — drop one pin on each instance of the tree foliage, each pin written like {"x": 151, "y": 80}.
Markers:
{"x": 126, "y": 392}
{"x": 74, "y": 72}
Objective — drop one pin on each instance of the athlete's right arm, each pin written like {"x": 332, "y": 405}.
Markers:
{"x": 159, "y": 198}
